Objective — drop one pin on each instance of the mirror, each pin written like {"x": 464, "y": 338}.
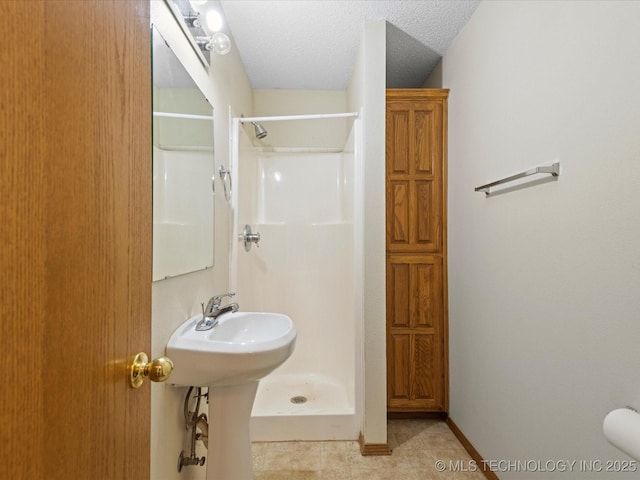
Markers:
{"x": 183, "y": 168}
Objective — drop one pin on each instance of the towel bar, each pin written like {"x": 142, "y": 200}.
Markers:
{"x": 552, "y": 169}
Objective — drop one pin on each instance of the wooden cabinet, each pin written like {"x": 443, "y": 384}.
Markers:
{"x": 417, "y": 373}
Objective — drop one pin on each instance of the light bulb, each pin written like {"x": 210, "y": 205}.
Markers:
{"x": 221, "y": 43}
{"x": 214, "y": 21}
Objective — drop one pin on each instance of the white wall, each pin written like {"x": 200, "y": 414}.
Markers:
{"x": 366, "y": 94}
{"x": 174, "y": 300}
{"x": 544, "y": 281}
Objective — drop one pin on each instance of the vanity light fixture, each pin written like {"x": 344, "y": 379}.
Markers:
{"x": 193, "y": 19}
{"x": 219, "y": 43}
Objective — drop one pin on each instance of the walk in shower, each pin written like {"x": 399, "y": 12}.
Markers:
{"x": 302, "y": 202}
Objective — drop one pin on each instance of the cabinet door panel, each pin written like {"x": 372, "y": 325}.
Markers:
{"x": 399, "y": 385}
{"x": 423, "y": 154}
{"x": 413, "y": 216}
{"x": 397, "y": 141}
{"x": 415, "y": 296}
{"x": 398, "y": 217}
{"x": 426, "y": 218}
{"x": 416, "y": 376}
{"x": 415, "y": 326}
{"x": 415, "y": 176}
{"x": 398, "y": 290}
{"x": 426, "y": 152}
{"x": 426, "y": 384}
{"x": 427, "y": 293}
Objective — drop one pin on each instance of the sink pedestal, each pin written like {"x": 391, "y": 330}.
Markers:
{"x": 229, "y": 452}
{"x": 230, "y": 359}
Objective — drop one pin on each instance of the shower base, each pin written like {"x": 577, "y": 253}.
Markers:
{"x": 303, "y": 407}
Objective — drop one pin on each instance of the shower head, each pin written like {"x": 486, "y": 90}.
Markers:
{"x": 261, "y": 132}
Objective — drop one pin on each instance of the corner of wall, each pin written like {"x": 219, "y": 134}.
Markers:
{"x": 366, "y": 94}
{"x": 434, "y": 80}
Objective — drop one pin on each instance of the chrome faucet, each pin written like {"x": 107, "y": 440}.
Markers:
{"x": 211, "y": 312}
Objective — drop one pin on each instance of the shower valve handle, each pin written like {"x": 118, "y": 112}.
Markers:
{"x": 248, "y": 237}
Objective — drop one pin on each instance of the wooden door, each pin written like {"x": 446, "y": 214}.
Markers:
{"x": 416, "y": 250}
{"x": 414, "y": 174}
{"x": 75, "y": 259}
{"x": 415, "y": 339}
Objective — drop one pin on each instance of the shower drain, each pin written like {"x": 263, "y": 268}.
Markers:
{"x": 298, "y": 399}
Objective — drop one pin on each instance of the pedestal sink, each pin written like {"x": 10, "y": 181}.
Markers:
{"x": 230, "y": 359}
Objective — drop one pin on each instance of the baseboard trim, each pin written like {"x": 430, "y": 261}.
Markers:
{"x": 411, "y": 415}
{"x": 371, "y": 449}
{"x": 471, "y": 450}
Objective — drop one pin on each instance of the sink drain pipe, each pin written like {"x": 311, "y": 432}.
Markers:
{"x": 193, "y": 422}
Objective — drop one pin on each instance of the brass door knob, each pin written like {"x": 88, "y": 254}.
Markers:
{"x": 158, "y": 370}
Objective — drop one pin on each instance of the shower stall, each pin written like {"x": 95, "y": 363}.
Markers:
{"x": 304, "y": 203}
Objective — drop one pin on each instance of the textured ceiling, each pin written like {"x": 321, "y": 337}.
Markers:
{"x": 312, "y": 44}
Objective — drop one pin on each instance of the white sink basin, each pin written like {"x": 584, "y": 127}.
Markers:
{"x": 243, "y": 347}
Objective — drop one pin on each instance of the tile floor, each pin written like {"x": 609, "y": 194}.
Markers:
{"x": 417, "y": 446}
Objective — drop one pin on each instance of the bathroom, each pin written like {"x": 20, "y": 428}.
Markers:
{"x": 543, "y": 280}
{"x": 495, "y": 241}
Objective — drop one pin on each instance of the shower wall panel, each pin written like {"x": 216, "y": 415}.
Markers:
{"x": 301, "y": 203}
{"x": 301, "y": 188}
{"x": 304, "y": 264}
